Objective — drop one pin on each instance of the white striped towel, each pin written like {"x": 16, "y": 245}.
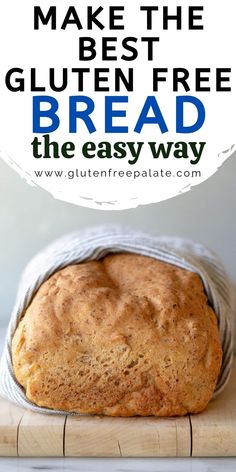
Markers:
{"x": 95, "y": 243}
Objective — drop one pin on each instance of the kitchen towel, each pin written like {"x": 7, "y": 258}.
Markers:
{"x": 96, "y": 242}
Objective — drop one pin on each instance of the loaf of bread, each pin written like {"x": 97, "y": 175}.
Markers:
{"x": 126, "y": 335}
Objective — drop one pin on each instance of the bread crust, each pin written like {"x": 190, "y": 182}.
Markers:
{"x": 127, "y": 335}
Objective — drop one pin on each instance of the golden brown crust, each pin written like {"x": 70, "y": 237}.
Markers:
{"x": 127, "y": 335}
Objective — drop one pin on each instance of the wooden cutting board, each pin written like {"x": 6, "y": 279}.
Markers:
{"x": 211, "y": 433}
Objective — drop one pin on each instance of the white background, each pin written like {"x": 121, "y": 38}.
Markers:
{"x": 42, "y": 49}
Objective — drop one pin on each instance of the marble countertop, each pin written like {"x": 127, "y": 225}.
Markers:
{"x": 115, "y": 465}
{"x": 118, "y": 465}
